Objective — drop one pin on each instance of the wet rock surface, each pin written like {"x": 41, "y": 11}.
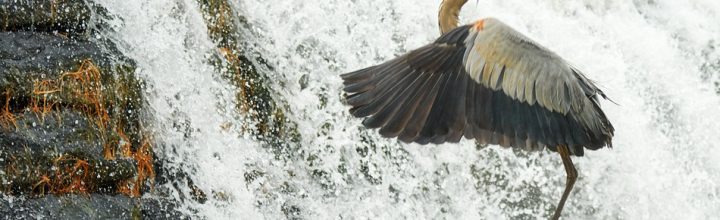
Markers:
{"x": 95, "y": 206}
{"x": 29, "y": 57}
{"x": 65, "y": 16}
{"x": 72, "y": 142}
{"x": 72, "y": 145}
{"x": 42, "y": 146}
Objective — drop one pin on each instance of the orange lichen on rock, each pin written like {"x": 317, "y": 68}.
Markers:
{"x": 144, "y": 159}
{"x": 82, "y": 90}
{"x": 73, "y": 179}
{"x": 86, "y": 84}
{"x": 124, "y": 142}
{"x": 71, "y": 175}
{"x": 40, "y": 103}
{"x": 7, "y": 118}
{"x": 242, "y": 85}
{"x": 109, "y": 150}
{"x": 145, "y": 171}
{"x": 41, "y": 185}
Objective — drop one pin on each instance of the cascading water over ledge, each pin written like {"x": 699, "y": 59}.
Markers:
{"x": 659, "y": 60}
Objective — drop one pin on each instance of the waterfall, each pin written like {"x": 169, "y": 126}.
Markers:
{"x": 659, "y": 60}
{"x": 189, "y": 101}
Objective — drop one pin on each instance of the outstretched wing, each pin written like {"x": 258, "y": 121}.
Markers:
{"x": 484, "y": 81}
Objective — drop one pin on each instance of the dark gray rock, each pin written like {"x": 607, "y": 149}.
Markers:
{"x": 94, "y": 206}
{"x": 69, "y": 207}
{"x": 69, "y": 132}
{"x": 29, "y": 56}
{"x": 33, "y": 148}
{"x": 64, "y": 131}
{"x": 69, "y": 16}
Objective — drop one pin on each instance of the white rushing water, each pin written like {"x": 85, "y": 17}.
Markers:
{"x": 191, "y": 104}
{"x": 654, "y": 58}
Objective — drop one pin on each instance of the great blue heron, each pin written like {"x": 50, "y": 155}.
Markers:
{"x": 484, "y": 81}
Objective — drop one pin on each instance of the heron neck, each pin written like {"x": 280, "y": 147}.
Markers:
{"x": 449, "y": 15}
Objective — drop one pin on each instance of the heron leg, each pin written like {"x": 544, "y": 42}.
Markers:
{"x": 571, "y": 177}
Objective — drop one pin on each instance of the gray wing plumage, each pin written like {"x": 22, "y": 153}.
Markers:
{"x": 484, "y": 81}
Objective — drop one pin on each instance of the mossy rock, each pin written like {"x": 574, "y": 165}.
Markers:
{"x": 41, "y": 69}
{"x": 66, "y": 104}
{"x": 254, "y": 94}
{"x": 71, "y": 139}
{"x": 42, "y": 146}
{"x": 28, "y": 57}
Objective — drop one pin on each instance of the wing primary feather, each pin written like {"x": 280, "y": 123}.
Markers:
{"x": 358, "y": 75}
{"x": 542, "y": 125}
{"x": 366, "y": 97}
{"x": 360, "y": 86}
{"x": 521, "y": 120}
{"x": 408, "y": 107}
{"x": 382, "y": 99}
{"x": 419, "y": 117}
{"x": 428, "y": 130}
{"x": 395, "y": 101}
{"x": 506, "y": 114}
{"x": 554, "y": 133}
{"x": 455, "y": 119}
{"x": 533, "y": 125}
{"x": 389, "y": 73}
{"x": 484, "y": 114}
{"x": 436, "y": 128}
{"x": 394, "y": 98}
{"x": 470, "y": 108}
{"x": 565, "y": 135}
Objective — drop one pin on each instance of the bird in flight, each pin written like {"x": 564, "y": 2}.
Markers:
{"x": 484, "y": 81}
